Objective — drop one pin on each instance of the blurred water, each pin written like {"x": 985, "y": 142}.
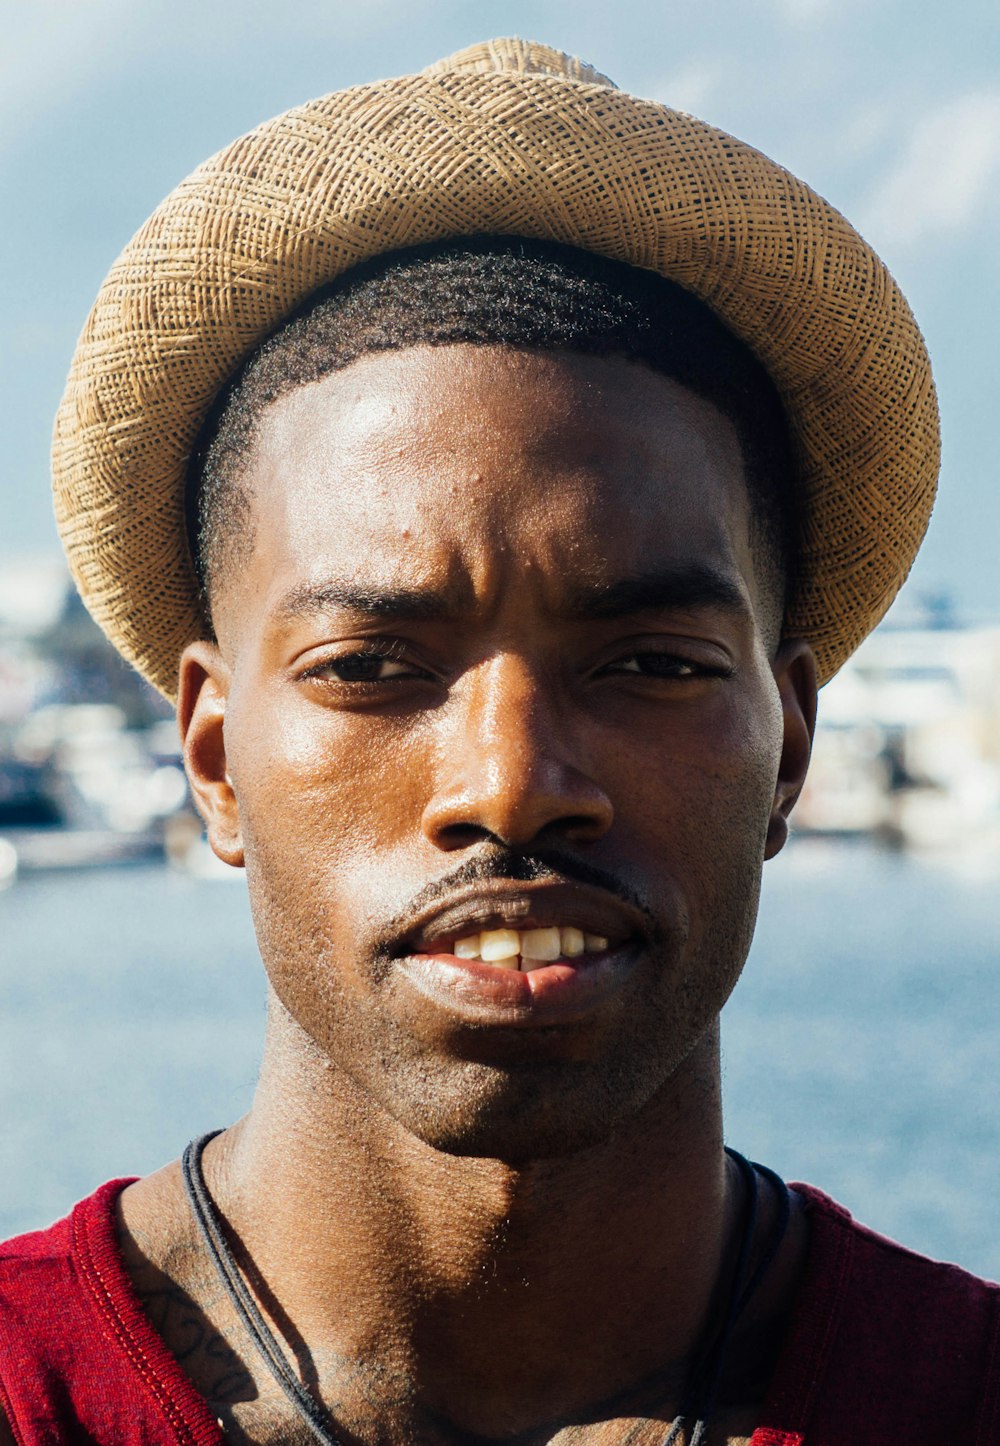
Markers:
{"x": 861, "y": 1046}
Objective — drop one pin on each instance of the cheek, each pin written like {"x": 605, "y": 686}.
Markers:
{"x": 327, "y": 809}
{"x": 317, "y": 786}
{"x": 701, "y": 792}
{"x": 707, "y": 772}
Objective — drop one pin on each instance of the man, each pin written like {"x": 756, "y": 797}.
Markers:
{"x": 489, "y": 463}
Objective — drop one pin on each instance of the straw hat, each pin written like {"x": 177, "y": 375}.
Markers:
{"x": 512, "y": 138}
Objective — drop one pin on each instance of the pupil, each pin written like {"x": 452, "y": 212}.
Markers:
{"x": 359, "y": 669}
{"x": 661, "y": 665}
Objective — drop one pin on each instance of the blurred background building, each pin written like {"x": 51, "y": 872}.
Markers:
{"x": 907, "y": 749}
{"x": 90, "y": 771}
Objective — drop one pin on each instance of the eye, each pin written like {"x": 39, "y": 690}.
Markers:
{"x": 368, "y": 665}
{"x": 658, "y": 663}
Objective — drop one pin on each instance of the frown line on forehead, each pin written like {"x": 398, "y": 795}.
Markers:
{"x": 681, "y": 587}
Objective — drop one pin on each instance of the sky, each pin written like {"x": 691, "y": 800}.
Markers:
{"x": 889, "y": 109}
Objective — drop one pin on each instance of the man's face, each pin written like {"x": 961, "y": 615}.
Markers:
{"x": 499, "y": 659}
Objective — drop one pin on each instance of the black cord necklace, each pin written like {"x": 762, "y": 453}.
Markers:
{"x": 703, "y": 1380}
{"x": 705, "y": 1376}
{"x": 306, "y": 1407}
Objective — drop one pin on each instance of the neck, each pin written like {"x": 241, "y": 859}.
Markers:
{"x": 468, "y": 1277}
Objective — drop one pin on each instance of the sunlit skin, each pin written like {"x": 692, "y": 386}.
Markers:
{"x": 501, "y": 613}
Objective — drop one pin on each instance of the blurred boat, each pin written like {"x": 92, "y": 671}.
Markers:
{"x": 908, "y": 743}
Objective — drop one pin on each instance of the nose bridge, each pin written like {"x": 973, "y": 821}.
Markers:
{"x": 509, "y": 712}
{"x": 508, "y": 766}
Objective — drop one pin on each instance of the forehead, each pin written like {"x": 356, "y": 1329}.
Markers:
{"x": 467, "y": 464}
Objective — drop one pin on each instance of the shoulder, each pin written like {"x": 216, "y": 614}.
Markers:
{"x": 32, "y": 1265}
{"x": 905, "y": 1348}
{"x": 79, "y": 1357}
{"x": 886, "y": 1277}
{"x": 42, "y": 1279}
{"x": 49, "y": 1317}
{"x": 44, "y": 1255}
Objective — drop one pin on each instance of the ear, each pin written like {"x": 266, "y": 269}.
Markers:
{"x": 794, "y": 670}
{"x": 201, "y": 716}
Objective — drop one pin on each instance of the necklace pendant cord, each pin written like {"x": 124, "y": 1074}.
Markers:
{"x": 700, "y": 1393}
{"x": 306, "y": 1407}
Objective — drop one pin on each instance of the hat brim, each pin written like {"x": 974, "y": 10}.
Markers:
{"x": 461, "y": 151}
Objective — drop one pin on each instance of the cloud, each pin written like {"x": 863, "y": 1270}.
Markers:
{"x": 52, "y": 48}
{"x": 867, "y": 130}
{"x": 57, "y": 52}
{"x": 692, "y": 87}
{"x": 803, "y": 12}
{"x": 945, "y": 177}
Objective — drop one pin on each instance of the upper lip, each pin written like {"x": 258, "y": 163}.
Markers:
{"x": 539, "y": 904}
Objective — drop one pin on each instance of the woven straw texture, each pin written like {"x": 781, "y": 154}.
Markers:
{"x": 514, "y": 138}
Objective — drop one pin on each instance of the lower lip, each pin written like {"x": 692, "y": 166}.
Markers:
{"x": 551, "y": 994}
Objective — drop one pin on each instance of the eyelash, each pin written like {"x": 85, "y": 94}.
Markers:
{"x": 392, "y": 652}
{"x": 677, "y": 667}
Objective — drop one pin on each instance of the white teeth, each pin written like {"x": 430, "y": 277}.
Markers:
{"x": 497, "y": 945}
{"x": 511, "y": 949}
{"x": 571, "y": 942}
{"x": 541, "y": 944}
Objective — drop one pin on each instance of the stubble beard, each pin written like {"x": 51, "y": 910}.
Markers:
{"x": 511, "y": 1103}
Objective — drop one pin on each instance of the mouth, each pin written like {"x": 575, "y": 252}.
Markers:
{"x": 539, "y": 953}
{"x": 524, "y": 950}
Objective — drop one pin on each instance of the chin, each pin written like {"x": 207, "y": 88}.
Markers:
{"x": 518, "y": 1115}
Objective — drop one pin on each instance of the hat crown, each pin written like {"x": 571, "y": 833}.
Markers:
{"x": 510, "y": 54}
{"x": 509, "y": 138}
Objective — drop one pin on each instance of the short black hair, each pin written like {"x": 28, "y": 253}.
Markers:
{"x": 507, "y": 291}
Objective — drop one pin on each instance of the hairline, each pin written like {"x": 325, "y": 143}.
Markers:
{"x": 373, "y": 324}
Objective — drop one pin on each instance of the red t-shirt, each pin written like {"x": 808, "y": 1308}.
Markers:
{"x": 885, "y": 1348}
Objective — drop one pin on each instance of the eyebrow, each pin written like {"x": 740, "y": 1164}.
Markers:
{"x": 687, "y": 587}
{"x": 365, "y": 600}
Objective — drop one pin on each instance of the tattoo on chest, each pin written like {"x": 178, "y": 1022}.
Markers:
{"x": 371, "y": 1402}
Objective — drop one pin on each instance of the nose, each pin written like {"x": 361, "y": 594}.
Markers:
{"x": 506, "y": 768}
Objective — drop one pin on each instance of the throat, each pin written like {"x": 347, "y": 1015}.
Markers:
{"x": 434, "y": 1382}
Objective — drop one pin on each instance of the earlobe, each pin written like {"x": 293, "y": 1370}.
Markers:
{"x": 794, "y": 669}
{"x": 201, "y": 713}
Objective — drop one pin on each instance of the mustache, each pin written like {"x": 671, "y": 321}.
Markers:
{"x": 499, "y": 861}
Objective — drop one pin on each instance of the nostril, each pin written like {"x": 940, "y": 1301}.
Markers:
{"x": 464, "y": 835}
{"x": 573, "y": 828}
{"x": 580, "y": 827}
